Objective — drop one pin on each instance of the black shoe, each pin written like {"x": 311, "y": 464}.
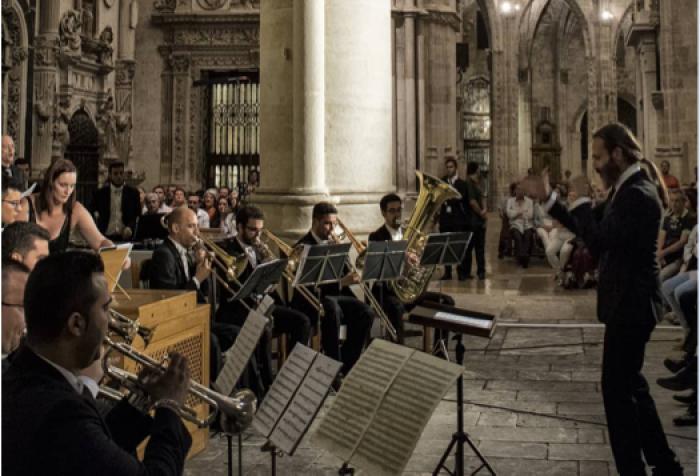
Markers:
{"x": 683, "y": 380}
{"x": 673, "y": 469}
{"x": 687, "y": 419}
{"x": 481, "y": 276}
{"x": 686, "y": 399}
{"x": 464, "y": 277}
{"x": 446, "y": 277}
{"x": 674, "y": 365}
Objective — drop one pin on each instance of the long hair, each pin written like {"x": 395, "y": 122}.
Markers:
{"x": 45, "y": 201}
{"x": 618, "y": 135}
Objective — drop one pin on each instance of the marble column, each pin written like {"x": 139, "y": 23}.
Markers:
{"x": 330, "y": 139}
{"x": 45, "y": 72}
{"x": 647, "y": 64}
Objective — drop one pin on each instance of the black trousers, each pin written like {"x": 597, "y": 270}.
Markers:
{"x": 523, "y": 243}
{"x": 354, "y": 314}
{"x": 689, "y": 305}
{"x": 476, "y": 246}
{"x": 633, "y": 423}
{"x": 297, "y": 325}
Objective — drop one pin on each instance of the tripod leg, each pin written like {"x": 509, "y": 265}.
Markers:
{"x": 445, "y": 455}
{"x": 230, "y": 455}
{"x": 240, "y": 454}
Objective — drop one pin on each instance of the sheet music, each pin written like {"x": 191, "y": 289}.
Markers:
{"x": 363, "y": 390}
{"x": 453, "y": 318}
{"x": 238, "y": 355}
{"x": 403, "y": 413}
{"x": 278, "y": 397}
{"x": 300, "y": 267}
{"x": 113, "y": 258}
{"x": 305, "y": 404}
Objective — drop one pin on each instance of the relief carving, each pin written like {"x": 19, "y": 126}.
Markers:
{"x": 220, "y": 36}
{"x": 61, "y": 136}
{"x": 69, "y": 30}
{"x": 246, "y": 3}
{"x": 105, "y": 50}
{"x": 179, "y": 63}
{"x": 211, "y": 4}
{"x": 45, "y": 50}
{"x": 107, "y": 128}
{"x": 164, "y": 6}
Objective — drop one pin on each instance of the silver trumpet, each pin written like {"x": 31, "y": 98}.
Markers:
{"x": 237, "y": 411}
{"x": 129, "y": 328}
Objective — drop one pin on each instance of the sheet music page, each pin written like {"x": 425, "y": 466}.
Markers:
{"x": 300, "y": 267}
{"x": 238, "y": 355}
{"x": 359, "y": 397}
{"x": 113, "y": 258}
{"x": 393, "y": 434}
{"x": 283, "y": 388}
{"x": 453, "y": 318}
{"x": 305, "y": 404}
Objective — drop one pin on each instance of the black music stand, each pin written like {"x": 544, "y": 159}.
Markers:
{"x": 444, "y": 249}
{"x": 384, "y": 261}
{"x": 321, "y": 264}
{"x": 460, "y": 322}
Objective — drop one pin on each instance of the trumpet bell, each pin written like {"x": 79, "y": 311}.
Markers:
{"x": 236, "y": 412}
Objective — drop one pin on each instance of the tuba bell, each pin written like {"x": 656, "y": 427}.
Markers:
{"x": 415, "y": 278}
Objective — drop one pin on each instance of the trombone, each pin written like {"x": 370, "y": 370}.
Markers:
{"x": 128, "y": 328}
{"x": 231, "y": 266}
{"x": 292, "y": 264}
{"x": 361, "y": 250}
{"x": 238, "y": 410}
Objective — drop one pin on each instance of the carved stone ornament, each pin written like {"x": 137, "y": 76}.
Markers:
{"x": 45, "y": 51}
{"x": 211, "y": 4}
{"x": 179, "y": 63}
{"x": 164, "y": 6}
{"x": 107, "y": 128}
{"x": 450, "y": 19}
{"x": 69, "y": 30}
{"x": 105, "y": 49}
{"x": 246, "y": 3}
{"x": 109, "y": 3}
{"x": 61, "y": 136}
{"x": 218, "y": 36}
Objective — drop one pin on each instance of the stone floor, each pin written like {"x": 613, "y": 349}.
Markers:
{"x": 532, "y": 390}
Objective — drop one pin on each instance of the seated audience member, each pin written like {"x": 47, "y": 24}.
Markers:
{"x": 152, "y": 204}
{"x": 686, "y": 278}
{"x": 160, "y": 191}
{"x": 542, "y": 224}
{"x": 209, "y": 204}
{"x": 193, "y": 202}
{"x": 11, "y": 201}
{"x": 179, "y": 198}
{"x": 25, "y": 243}
{"x": 46, "y": 405}
{"x": 14, "y": 280}
{"x": 504, "y": 238}
{"x": 520, "y": 211}
{"x": 224, "y": 192}
{"x": 669, "y": 180}
{"x": 674, "y": 235}
{"x": 222, "y": 217}
{"x": 560, "y": 244}
{"x": 116, "y": 206}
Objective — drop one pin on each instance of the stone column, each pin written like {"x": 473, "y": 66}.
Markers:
{"x": 647, "y": 63}
{"x": 331, "y": 138}
{"x": 45, "y": 72}
{"x": 124, "y": 76}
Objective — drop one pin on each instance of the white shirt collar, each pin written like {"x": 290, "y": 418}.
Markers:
{"x": 73, "y": 379}
{"x": 396, "y": 233}
{"x": 318, "y": 240}
{"x": 631, "y": 170}
{"x": 180, "y": 249}
{"x": 116, "y": 189}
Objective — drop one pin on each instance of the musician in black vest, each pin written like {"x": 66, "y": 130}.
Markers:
{"x": 622, "y": 232}
{"x": 50, "y": 419}
{"x": 250, "y": 222}
{"x": 391, "y": 207}
{"x": 339, "y": 304}
{"x": 453, "y": 215}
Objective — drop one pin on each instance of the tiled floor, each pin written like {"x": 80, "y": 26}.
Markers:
{"x": 533, "y": 393}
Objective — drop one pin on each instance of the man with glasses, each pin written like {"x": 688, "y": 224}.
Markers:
{"x": 11, "y": 201}
{"x": 297, "y": 325}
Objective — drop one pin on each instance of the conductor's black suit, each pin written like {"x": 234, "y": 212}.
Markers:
{"x": 621, "y": 233}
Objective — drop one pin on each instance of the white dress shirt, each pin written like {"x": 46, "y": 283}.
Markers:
{"x": 249, "y": 252}
{"x": 520, "y": 213}
{"x": 396, "y": 233}
{"x": 202, "y": 218}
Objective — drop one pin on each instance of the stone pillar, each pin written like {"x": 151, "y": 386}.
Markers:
{"x": 646, "y": 51}
{"x": 331, "y": 138}
{"x": 407, "y": 175}
{"x": 124, "y": 76}
{"x": 45, "y": 72}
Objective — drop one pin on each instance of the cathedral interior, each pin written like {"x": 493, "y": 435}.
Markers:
{"x": 344, "y": 100}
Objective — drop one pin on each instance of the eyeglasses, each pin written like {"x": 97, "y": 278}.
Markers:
{"x": 8, "y": 304}
{"x": 15, "y": 203}
{"x": 253, "y": 229}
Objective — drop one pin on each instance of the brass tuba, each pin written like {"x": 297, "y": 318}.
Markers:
{"x": 432, "y": 193}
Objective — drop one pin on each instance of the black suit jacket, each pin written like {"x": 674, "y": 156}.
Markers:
{"x": 101, "y": 207}
{"x": 456, "y": 218}
{"x": 166, "y": 271}
{"x": 622, "y": 233}
{"x": 49, "y": 428}
{"x": 234, "y": 248}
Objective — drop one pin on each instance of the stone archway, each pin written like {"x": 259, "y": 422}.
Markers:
{"x": 83, "y": 151}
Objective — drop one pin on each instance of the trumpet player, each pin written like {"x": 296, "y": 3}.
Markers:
{"x": 250, "y": 222}
{"x": 339, "y": 304}
{"x": 50, "y": 420}
{"x": 391, "y": 207}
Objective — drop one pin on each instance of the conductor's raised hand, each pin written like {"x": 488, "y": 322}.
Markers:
{"x": 537, "y": 186}
{"x": 580, "y": 185}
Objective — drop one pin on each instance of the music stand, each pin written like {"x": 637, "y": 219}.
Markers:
{"x": 462, "y": 322}
{"x": 444, "y": 249}
{"x": 384, "y": 261}
{"x": 321, "y": 264}
{"x": 260, "y": 280}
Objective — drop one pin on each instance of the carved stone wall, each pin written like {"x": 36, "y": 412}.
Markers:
{"x": 196, "y": 37}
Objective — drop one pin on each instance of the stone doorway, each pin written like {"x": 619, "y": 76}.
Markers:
{"x": 82, "y": 150}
